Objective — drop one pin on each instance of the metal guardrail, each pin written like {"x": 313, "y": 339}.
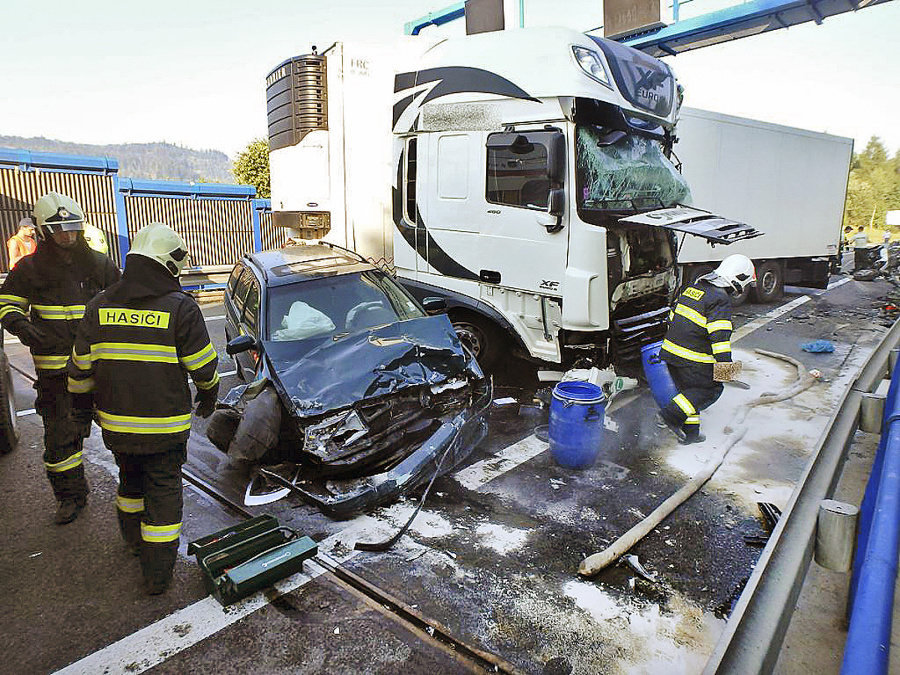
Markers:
{"x": 755, "y": 631}
{"x": 875, "y": 571}
{"x": 213, "y": 275}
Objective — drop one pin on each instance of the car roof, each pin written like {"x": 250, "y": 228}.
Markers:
{"x": 295, "y": 263}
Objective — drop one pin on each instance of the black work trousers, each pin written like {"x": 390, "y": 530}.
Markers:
{"x": 150, "y": 504}
{"x": 62, "y": 437}
{"x": 696, "y": 391}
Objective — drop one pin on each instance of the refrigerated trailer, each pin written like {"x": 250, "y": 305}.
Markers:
{"x": 789, "y": 183}
{"x": 522, "y": 175}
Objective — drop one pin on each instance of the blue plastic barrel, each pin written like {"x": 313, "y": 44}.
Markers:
{"x": 576, "y": 424}
{"x": 662, "y": 386}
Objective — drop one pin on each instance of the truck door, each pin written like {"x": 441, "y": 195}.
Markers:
{"x": 523, "y": 242}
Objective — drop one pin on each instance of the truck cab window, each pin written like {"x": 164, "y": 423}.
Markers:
{"x": 409, "y": 182}
{"x": 517, "y": 172}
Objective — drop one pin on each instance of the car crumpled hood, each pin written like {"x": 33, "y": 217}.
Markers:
{"x": 368, "y": 364}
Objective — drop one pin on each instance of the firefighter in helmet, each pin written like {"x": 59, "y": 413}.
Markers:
{"x": 136, "y": 346}
{"x": 42, "y": 302}
{"x": 697, "y": 348}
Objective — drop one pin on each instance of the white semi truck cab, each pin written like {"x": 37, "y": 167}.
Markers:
{"x": 523, "y": 175}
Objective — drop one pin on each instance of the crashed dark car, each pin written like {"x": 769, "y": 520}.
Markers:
{"x": 354, "y": 393}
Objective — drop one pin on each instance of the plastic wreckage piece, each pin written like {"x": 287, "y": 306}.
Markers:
{"x": 245, "y": 558}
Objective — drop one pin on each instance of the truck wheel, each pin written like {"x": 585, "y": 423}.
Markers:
{"x": 769, "y": 282}
{"x": 479, "y": 336}
{"x": 9, "y": 430}
{"x": 692, "y": 273}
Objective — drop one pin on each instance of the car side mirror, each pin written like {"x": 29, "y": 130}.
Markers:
{"x": 241, "y": 343}
{"x": 434, "y": 305}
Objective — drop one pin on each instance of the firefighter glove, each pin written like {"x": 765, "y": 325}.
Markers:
{"x": 726, "y": 372}
{"x": 28, "y": 333}
{"x": 206, "y": 401}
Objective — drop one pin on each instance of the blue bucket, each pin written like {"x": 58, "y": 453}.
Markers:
{"x": 662, "y": 386}
{"x": 576, "y": 424}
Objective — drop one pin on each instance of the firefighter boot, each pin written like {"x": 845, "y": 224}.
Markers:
{"x": 70, "y": 489}
{"x": 691, "y": 434}
{"x": 157, "y": 565}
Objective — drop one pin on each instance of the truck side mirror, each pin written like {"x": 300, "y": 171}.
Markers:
{"x": 241, "y": 343}
{"x": 556, "y": 159}
{"x": 556, "y": 206}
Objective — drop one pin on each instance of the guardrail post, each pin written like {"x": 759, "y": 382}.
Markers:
{"x": 871, "y": 413}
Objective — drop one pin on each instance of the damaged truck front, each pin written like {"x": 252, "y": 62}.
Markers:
{"x": 358, "y": 395}
{"x": 527, "y": 182}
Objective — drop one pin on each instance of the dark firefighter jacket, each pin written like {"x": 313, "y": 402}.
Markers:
{"x": 51, "y": 288}
{"x": 699, "y": 327}
{"x": 134, "y": 349}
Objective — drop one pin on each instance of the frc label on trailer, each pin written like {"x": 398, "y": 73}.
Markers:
{"x": 140, "y": 318}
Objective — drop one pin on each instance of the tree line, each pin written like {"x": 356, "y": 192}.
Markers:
{"x": 873, "y": 188}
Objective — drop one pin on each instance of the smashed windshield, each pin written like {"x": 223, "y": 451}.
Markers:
{"x": 336, "y": 306}
{"x": 617, "y": 171}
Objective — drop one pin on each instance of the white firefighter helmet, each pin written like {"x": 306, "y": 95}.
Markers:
{"x": 161, "y": 243}
{"x": 735, "y": 273}
{"x": 57, "y": 213}
{"x": 95, "y": 238}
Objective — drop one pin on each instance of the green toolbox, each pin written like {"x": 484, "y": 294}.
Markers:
{"x": 244, "y": 558}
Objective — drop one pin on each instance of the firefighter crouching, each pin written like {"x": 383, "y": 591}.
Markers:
{"x": 134, "y": 349}
{"x": 42, "y": 302}
{"x": 697, "y": 348}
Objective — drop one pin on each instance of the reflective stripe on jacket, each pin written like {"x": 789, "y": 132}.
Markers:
{"x": 136, "y": 360}
{"x": 51, "y": 290}
{"x": 699, "y": 327}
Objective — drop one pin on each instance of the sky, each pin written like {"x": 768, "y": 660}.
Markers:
{"x": 193, "y": 72}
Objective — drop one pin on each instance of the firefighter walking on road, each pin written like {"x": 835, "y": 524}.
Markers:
{"x": 42, "y": 302}
{"x": 697, "y": 348}
{"x": 137, "y": 344}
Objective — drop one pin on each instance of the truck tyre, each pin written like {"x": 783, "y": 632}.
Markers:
{"x": 693, "y": 272}
{"x": 479, "y": 336}
{"x": 9, "y": 430}
{"x": 769, "y": 282}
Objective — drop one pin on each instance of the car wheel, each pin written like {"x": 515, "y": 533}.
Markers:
{"x": 479, "y": 336}
{"x": 769, "y": 282}
{"x": 9, "y": 429}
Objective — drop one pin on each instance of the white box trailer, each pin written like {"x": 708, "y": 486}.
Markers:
{"x": 521, "y": 175}
{"x": 788, "y": 183}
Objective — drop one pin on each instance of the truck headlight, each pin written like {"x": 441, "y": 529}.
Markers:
{"x": 590, "y": 63}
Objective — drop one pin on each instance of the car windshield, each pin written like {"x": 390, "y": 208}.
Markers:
{"x": 335, "y": 306}
{"x": 617, "y": 172}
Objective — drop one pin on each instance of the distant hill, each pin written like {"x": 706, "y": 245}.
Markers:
{"x": 162, "y": 161}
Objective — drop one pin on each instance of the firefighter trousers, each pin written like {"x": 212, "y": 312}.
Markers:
{"x": 149, "y": 504}
{"x": 696, "y": 391}
{"x": 62, "y": 438}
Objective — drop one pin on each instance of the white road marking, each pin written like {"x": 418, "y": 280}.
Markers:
{"x": 186, "y": 627}
{"x": 761, "y": 321}
{"x": 214, "y": 318}
{"x": 228, "y": 373}
{"x": 839, "y": 282}
{"x": 480, "y": 473}
{"x": 25, "y": 413}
